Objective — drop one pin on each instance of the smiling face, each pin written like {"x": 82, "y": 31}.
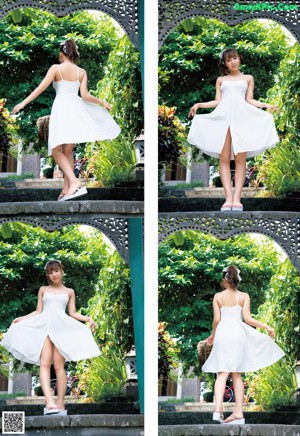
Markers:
{"x": 232, "y": 62}
{"x": 54, "y": 272}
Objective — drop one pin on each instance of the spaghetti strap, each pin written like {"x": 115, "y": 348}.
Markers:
{"x": 220, "y": 299}
{"x": 237, "y": 297}
{"x": 78, "y": 74}
{"x": 60, "y": 72}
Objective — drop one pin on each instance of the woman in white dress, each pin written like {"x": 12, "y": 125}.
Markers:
{"x": 236, "y": 129}
{"x": 48, "y": 335}
{"x": 73, "y": 119}
{"x": 237, "y": 347}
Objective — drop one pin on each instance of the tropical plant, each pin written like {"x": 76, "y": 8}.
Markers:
{"x": 102, "y": 377}
{"x": 167, "y": 354}
{"x": 280, "y": 167}
{"x": 171, "y": 137}
{"x": 112, "y": 161}
{"x": 121, "y": 87}
{"x": 275, "y": 385}
{"x": 8, "y": 131}
{"x": 111, "y": 307}
{"x": 282, "y": 308}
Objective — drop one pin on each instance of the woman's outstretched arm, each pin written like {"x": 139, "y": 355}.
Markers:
{"x": 251, "y": 321}
{"x": 84, "y": 92}
{"x": 209, "y": 104}
{"x": 216, "y": 320}
{"x": 251, "y": 100}
{"x": 39, "y": 307}
{"x": 74, "y": 314}
{"x": 48, "y": 79}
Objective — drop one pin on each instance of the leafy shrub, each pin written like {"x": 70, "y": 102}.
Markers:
{"x": 275, "y": 385}
{"x": 48, "y": 173}
{"x": 208, "y": 396}
{"x": 171, "y": 136}
{"x": 102, "y": 377}
{"x": 111, "y": 161}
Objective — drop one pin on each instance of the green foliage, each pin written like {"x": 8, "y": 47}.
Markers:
{"x": 190, "y": 275}
{"x": 280, "y": 167}
{"x": 103, "y": 377}
{"x": 29, "y": 48}
{"x": 275, "y": 385}
{"x": 167, "y": 351}
{"x": 190, "y": 185}
{"x": 111, "y": 307}
{"x": 282, "y": 308}
{"x": 121, "y": 87}
{"x": 171, "y": 137}
{"x": 8, "y": 131}
{"x": 7, "y": 229}
{"x": 188, "y": 61}
{"x": 22, "y": 260}
{"x": 111, "y": 161}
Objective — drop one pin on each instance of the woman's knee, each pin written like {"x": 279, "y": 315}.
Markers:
{"x": 236, "y": 376}
{"x": 240, "y": 159}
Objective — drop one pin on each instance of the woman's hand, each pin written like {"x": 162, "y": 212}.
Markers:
{"x": 106, "y": 106}
{"x": 17, "y": 320}
{"x": 92, "y": 325}
{"x": 193, "y": 110}
{"x": 17, "y": 108}
{"x": 271, "y": 332}
{"x": 272, "y": 108}
{"x": 210, "y": 340}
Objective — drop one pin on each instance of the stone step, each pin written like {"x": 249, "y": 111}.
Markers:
{"x": 176, "y": 204}
{"x": 51, "y": 194}
{"x": 206, "y": 192}
{"x": 85, "y": 425}
{"x": 116, "y": 408}
{"x": 197, "y": 418}
{"x": 229, "y": 430}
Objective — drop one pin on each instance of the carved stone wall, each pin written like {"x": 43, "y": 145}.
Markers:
{"x": 116, "y": 229}
{"x": 125, "y": 12}
{"x": 171, "y": 13}
{"x": 282, "y": 227}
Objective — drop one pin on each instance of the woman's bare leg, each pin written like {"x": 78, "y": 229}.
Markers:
{"x": 46, "y": 360}
{"x": 240, "y": 175}
{"x": 61, "y": 378}
{"x": 67, "y": 166}
{"x": 220, "y": 384}
{"x": 225, "y": 173}
{"x": 239, "y": 397}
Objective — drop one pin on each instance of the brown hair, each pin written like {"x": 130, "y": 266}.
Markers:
{"x": 52, "y": 265}
{"x": 231, "y": 275}
{"x": 70, "y": 49}
{"x": 226, "y": 54}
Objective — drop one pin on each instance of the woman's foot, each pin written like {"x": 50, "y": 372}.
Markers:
{"x": 237, "y": 207}
{"x": 234, "y": 419}
{"x": 226, "y": 207}
{"x": 61, "y": 196}
{"x": 76, "y": 190}
{"x": 60, "y": 405}
{"x": 51, "y": 409}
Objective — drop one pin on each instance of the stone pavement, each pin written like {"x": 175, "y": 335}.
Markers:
{"x": 229, "y": 430}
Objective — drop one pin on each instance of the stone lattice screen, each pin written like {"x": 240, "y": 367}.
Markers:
{"x": 125, "y": 12}
{"x": 172, "y": 13}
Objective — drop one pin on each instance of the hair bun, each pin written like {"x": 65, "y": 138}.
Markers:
{"x": 232, "y": 276}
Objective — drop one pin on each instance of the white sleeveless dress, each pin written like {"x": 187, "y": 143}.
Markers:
{"x": 74, "y": 120}
{"x": 74, "y": 340}
{"x": 238, "y": 347}
{"x": 252, "y": 129}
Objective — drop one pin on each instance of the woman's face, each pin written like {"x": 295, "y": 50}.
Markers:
{"x": 56, "y": 275}
{"x": 233, "y": 63}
